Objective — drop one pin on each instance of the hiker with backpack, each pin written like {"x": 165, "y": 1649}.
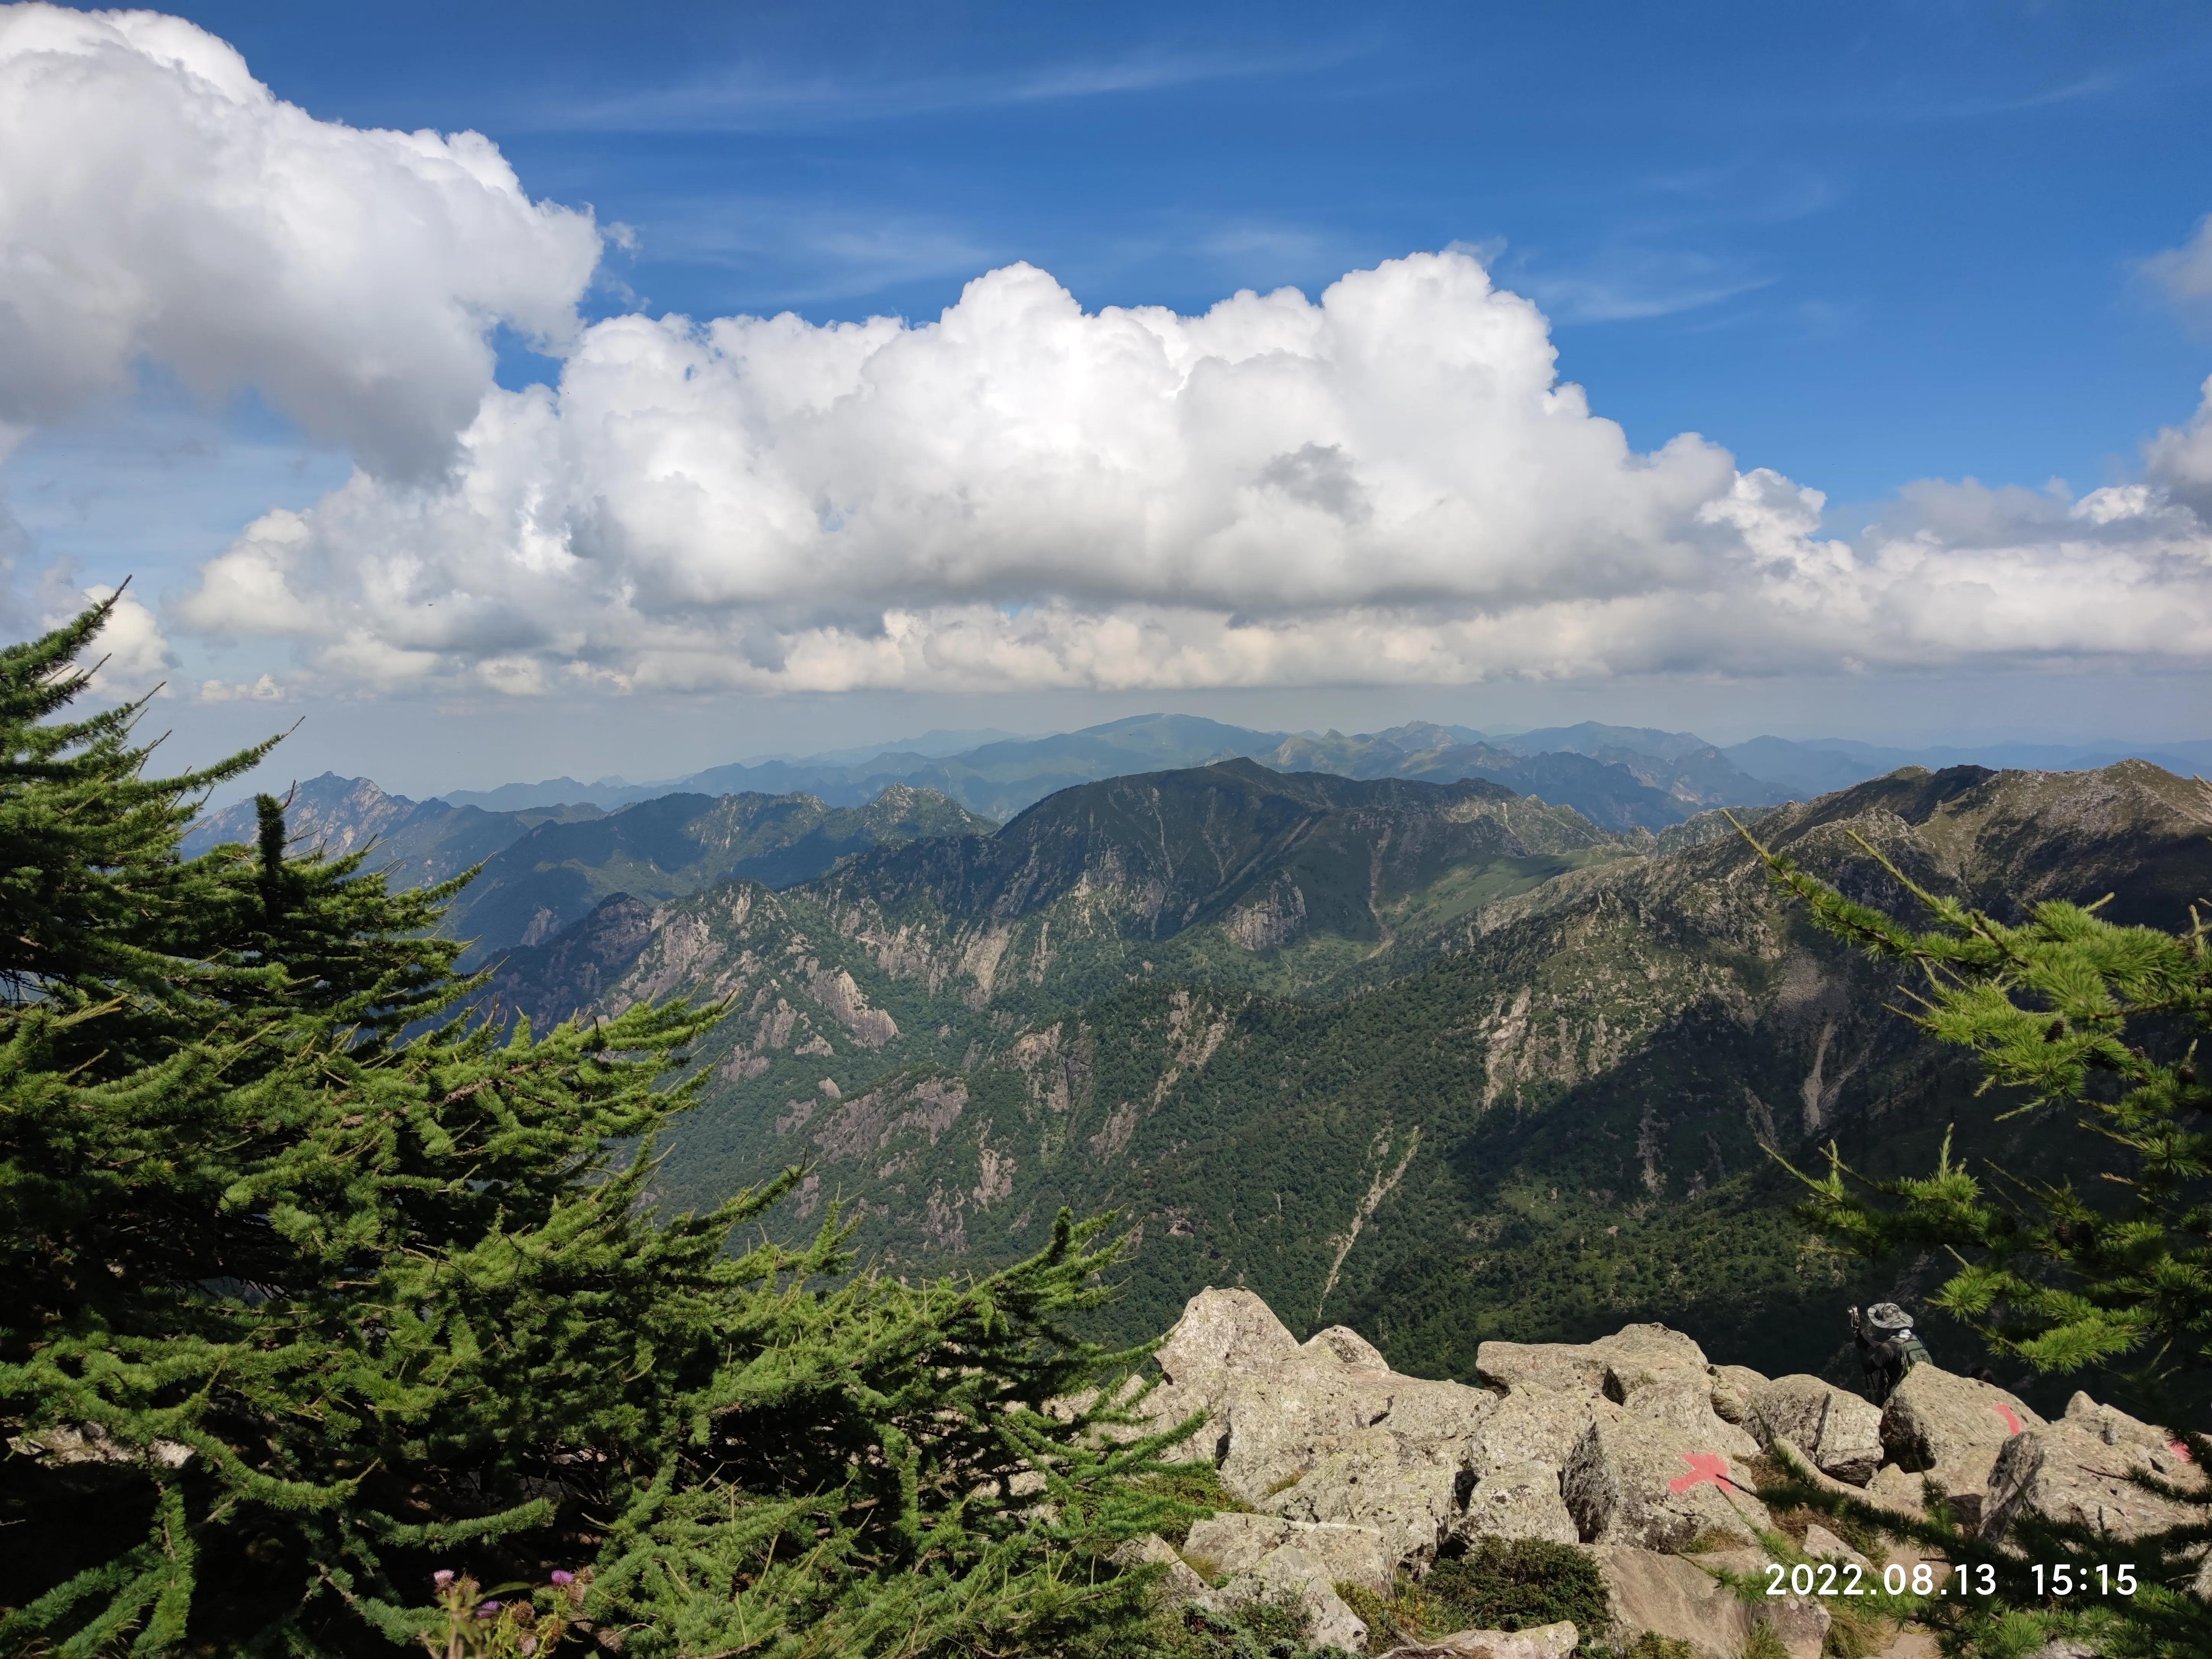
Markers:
{"x": 1893, "y": 1349}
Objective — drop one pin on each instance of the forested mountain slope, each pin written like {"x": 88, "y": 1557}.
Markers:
{"x": 932, "y": 951}
{"x": 545, "y": 867}
{"x": 422, "y": 842}
{"x": 1561, "y": 1122}
{"x": 1616, "y": 776}
{"x": 558, "y": 873}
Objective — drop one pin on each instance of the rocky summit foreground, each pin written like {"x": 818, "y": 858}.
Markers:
{"x": 1635, "y": 1448}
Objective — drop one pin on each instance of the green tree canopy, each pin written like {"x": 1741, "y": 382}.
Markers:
{"x": 315, "y": 1282}
{"x": 2112, "y": 1278}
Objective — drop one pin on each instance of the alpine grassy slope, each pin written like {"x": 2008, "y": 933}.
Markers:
{"x": 1436, "y": 1061}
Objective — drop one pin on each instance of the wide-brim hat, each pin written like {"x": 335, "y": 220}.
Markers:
{"x": 1888, "y": 1316}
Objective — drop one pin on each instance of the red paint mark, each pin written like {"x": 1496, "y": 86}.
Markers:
{"x": 2013, "y": 1425}
{"x": 1704, "y": 1466}
{"x": 2179, "y": 1450}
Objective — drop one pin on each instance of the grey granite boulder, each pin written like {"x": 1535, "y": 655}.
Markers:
{"x": 1509, "y": 1481}
{"x": 1223, "y": 1335}
{"x": 1635, "y": 1353}
{"x": 1403, "y": 1489}
{"x": 1653, "y": 1372}
{"x": 1683, "y": 1597}
{"x": 1824, "y": 1546}
{"x": 2067, "y": 1473}
{"x": 1951, "y": 1428}
{"x": 1234, "y": 1542}
{"x": 1651, "y": 1486}
{"x": 1670, "y": 1595}
{"x": 1681, "y": 1398}
{"x": 1178, "y": 1583}
{"x": 1544, "y": 1642}
{"x": 1537, "y": 1426}
{"x": 1348, "y": 1347}
{"x": 1900, "y": 1489}
{"x": 2115, "y": 1428}
{"x": 1313, "y": 1438}
{"x": 1287, "y": 1571}
{"x": 1933, "y": 1417}
{"x": 1733, "y": 1387}
{"x": 1564, "y": 1367}
{"x": 1223, "y": 1331}
{"x": 1517, "y": 1500}
{"x": 1841, "y": 1432}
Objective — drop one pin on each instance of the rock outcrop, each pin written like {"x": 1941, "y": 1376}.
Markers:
{"x": 1682, "y": 1597}
{"x": 1646, "y": 1484}
{"x": 1950, "y": 1429}
{"x": 2068, "y": 1473}
{"x": 1287, "y": 1570}
{"x": 1936, "y": 1417}
{"x": 1634, "y": 1447}
{"x": 1839, "y": 1432}
{"x": 1544, "y": 1642}
{"x": 1232, "y": 1543}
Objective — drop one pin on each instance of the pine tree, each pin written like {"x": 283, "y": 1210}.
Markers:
{"x": 298, "y": 1311}
{"x": 2071, "y": 1013}
{"x": 91, "y": 892}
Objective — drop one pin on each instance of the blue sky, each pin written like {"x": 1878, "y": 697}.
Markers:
{"x": 1868, "y": 244}
{"x": 1860, "y": 247}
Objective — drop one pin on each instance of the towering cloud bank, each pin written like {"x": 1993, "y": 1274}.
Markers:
{"x": 158, "y": 204}
{"x": 1388, "y": 484}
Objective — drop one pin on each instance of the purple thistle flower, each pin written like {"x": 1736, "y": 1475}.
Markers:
{"x": 487, "y": 1609}
{"x": 561, "y": 1577}
{"x": 443, "y": 1576}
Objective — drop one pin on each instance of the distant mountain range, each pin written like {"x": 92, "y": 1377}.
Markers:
{"x": 1445, "y": 1035}
{"x": 545, "y": 868}
{"x": 1616, "y": 775}
{"x": 553, "y": 851}
{"x": 1434, "y": 1060}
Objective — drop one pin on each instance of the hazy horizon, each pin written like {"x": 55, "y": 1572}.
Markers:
{"x": 422, "y": 777}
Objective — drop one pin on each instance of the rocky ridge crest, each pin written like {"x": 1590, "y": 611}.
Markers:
{"x": 1635, "y": 1447}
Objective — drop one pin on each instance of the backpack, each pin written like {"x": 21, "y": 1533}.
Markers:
{"x": 1912, "y": 1351}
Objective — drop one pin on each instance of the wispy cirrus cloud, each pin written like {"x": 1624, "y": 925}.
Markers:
{"x": 1628, "y": 283}
{"x": 1667, "y": 249}
{"x": 752, "y": 97}
{"x": 2098, "y": 84}
{"x": 805, "y": 252}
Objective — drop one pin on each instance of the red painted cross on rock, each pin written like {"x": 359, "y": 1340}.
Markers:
{"x": 1704, "y": 1466}
{"x": 2013, "y": 1425}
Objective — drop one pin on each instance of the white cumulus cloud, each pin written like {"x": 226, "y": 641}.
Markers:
{"x": 1389, "y": 484}
{"x": 158, "y": 204}
{"x": 2180, "y": 459}
{"x": 128, "y": 656}
{"x": 2185, "y": 272}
